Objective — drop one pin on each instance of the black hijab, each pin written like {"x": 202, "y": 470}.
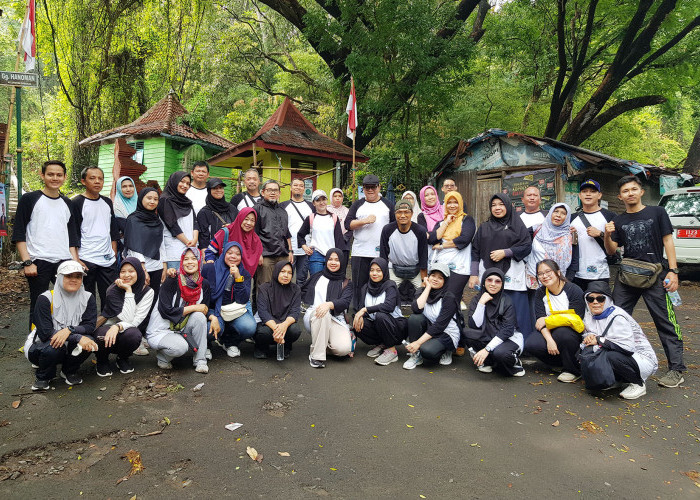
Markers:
{"x": 501, "y": 233}
{"x": 281, "y": 297}
{"x": 376, "y": 289}
{"x": 173, "y": 204}
{"x": 114, "y": 298}
{"x": 143, "y": 232}
{"x": 492, "y": 305}
{"x": 335, "y": 279}
{"x": 495, "y": 311}
{"x": 437, "y": 293}
{"x": 221, "y": 207}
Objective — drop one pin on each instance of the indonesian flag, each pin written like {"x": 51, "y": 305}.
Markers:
{"x": 27, "y": 36}
{"x": 351, "y": 110}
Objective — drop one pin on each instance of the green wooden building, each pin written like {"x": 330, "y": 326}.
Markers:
{"x": 163, "y": 141}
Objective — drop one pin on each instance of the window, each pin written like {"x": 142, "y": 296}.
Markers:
{"x": 685, "y": 204}
{"x": 190, "y": 155}
{"x": 138, "y": 156}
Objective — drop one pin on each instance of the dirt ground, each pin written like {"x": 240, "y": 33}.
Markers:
{"x": 352, "y": 430}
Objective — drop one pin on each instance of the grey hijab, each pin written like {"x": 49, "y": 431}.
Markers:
{"x": 68, "y": 308}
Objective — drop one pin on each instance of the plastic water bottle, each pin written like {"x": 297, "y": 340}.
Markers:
{"x": 280, "y": 352}
{"x": 229, "y": 283}
{"x": 674, "y": 296}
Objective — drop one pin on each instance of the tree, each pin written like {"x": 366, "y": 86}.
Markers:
{"x": 692, "y": 161}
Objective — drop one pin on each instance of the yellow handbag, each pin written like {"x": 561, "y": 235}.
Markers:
{"x": 563, "y": 318}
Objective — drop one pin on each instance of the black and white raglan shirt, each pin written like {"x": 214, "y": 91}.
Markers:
{"x": 198, "y": 197}
{"x": 592, "y": 259}
{"x": 242, "y": 200}
{"x": 47, "y": 226}
{"x": 296, "y": 213}
{"x": 404, "y": 249}
{"x": 97, "y": 228}
{"x": 367, "y": 237}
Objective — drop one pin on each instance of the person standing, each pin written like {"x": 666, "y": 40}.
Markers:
{"x": 449, "y": 185}
{"x": 249, "y": 197}
{"x": 325, "y": 231}
{"x": 215, "y": 214}
{"x": 298, "y": 209}
{"x": 181, "y": 228}
{"x": 590, "y": 227}
{"x": 532, "y": 217}
{"x": 336, "y": 207}
{"x": 98, "y": 232}
{"x": 645, "y": 233}
{"x": 44, "y": 231}
{"x": 432, "y": 212}
{"x": 124, "y": 197}
{"x": 411, "y": 197}
{"x": 554, "y": 240}
{"x": 272, "y": 226}
{"x": 198, "y": 191}
{"x": 367, "y": 218}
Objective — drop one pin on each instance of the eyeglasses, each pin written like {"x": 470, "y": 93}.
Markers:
{"x": 599, "y": 298}
{"x": 370, "y": 186}
{"x": 545, "y": 273}
{"x": 272, "y": 190}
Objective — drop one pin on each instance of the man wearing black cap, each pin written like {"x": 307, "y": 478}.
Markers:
{"x": 590, "y": 227}
{"x": 367, "y": 217}
{"x": 216, "y": 213}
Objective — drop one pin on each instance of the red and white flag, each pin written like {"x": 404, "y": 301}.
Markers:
{"x": 27, "y": 36}
{"x": 351, "y": 110}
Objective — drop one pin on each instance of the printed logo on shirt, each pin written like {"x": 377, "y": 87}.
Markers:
{"x": 592, "y": 269}
{"x": 507, "y": 279}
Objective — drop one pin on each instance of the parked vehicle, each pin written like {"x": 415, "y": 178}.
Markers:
{"x": 683, "y": 206}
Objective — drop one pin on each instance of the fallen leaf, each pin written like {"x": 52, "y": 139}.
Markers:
{"x": 555, "y": 423}
{"x": 15, "y": 404}
{"x": 134, "y": 458}
{"x": 283, "y": 453}
{"x": 409, "y": 426}
{"x": 591, "y": 427}
{"x": 253, "y": 454}
{"x": 333, "y": 469}
{"x": 537, "y": 383}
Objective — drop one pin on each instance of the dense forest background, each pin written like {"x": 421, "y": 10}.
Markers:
{"x": 617, "y": 76}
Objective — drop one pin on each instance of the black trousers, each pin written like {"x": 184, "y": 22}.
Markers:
{"x": 625, "y": 368}
{"x": 661, "y": 311}
{"x": 46, "y": 358}
{"x": 124, "y": 346}
{"x": 503, "y": 358}
{"x": 568, "y": 343}
{"x": 100, "y": 276}
{"x": 434, "y": 348}
{"x": 45, "y": 275}
{"x": 583, "y": 284}
{"x": 360, "y": 276}
{"x": 264, "y": 339}
{"x": 384, "y": 330}
{"x": 456, "y": 284}
{"x": 154, "y": 277}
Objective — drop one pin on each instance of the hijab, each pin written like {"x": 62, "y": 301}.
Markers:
{"x": 114, "y": 298}
{"x": 454, "y": 228}
{"x": 190, "y": 285}
{"x": 223, "y": 270}
{"x": 129, "y": 204}
{"x": 437, "y": 293}
{"x": 492, "y": 305}
{"x": 341, "y": 211}
{"x": 416, "y": 206}
{"x": 281, "y": 297}
{"x": 497, "y": 233}
{"x": 375, "y": 289}
{"x": 143, "y": 232}
{"x": 333, "y": 191}
{"x": 173, "y": 204}
{"x": 554, "y": 242}
{"x": 335, "y": 278}
{"x": 68, "y": 308}
{"x": 251, "y": 246}
{"x": 219, "y": 206}
{"x": 436, "y": 213}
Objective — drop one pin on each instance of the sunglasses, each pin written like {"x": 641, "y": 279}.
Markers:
{"x": 600, "y": 299}
{"x": 370, "y": 186}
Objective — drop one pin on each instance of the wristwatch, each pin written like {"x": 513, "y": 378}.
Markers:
{"x": 71, "y": 329}
{"x": 27, "y": 262}
{"x": 674, "y": 270}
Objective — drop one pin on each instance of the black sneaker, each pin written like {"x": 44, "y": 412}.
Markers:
{"x": 72, "y": 379}
{"x": 124, "y": 365}
{"x": 316, "y": 363}
{"x": 40, "y": 385}
{"x": 103, "y": 369}
{"x": 259, "y": 354}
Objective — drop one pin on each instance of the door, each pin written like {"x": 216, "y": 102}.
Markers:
{"x": 486, "y": 188}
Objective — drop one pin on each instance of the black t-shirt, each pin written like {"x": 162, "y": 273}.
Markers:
{"x": 642, "y": 233}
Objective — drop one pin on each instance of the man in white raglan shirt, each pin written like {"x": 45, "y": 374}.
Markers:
{"x": 198, "y": 187}
{"x": 298, "y": 209}
{"x": 251, "y": 195}
{"x": 532, "y": 217}
{"x": 367, "y": 217}
{"x": 97, "y": 233}
{"x": 590, "y": 226}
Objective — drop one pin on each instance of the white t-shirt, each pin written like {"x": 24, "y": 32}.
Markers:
{"x": 95, "y": 234}
{"x": 151, "y": 264}
{"x": 367, "y": 237}
{"x": 198, "y": 197}
{"x": 295, "y": 222}
{"x": 173, "y": 247}
{"x": 515, "y": 278}
{"x": 432, "y": 311}
{"x": 533, "y": 220}
{"x": 322, "y": 233}
{"x": 592, "y": 263}
{"x": 459, "y": 261}
{"x": 370, "y": 301}
{"x": 44, "y": 227}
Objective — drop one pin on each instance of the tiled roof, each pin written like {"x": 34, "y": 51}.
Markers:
{"x": 288, "y": 130}
{"x": 162, "y": 118}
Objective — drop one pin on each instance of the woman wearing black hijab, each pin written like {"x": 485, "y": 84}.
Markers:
{"x": 379, "y": 321}
{"x": 143, "y": 236}
{"x": 127, "y": 303}
{"x": 279, "y": 307}
{"x": 503, "y": 242}
{"x": 176, "y": 212}
{"x": 215, "y": 214}
{"x": 491, "y": 336}
{"x": 324, "y": 292}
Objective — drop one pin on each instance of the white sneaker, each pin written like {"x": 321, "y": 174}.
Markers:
{"x": 233, "y": 351}
{"x": 208, "y": 355}
{"x": 485, "y": 368}
{"x": 568, "y": 378}
{"x": 446, "y": 358}
{"x": 634, "y": 391}
{"x": 387, "y": 357}
{"x": 521, "y": 373}
{"x": 375, "y": 351}
{"x": 141, "y": 350}
{"x": 202, "y": 368}
{"x": 165, "y": 365}
{"x": 414, "y": 360}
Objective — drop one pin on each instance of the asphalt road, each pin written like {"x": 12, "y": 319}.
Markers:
{"x": 351, "y": 430}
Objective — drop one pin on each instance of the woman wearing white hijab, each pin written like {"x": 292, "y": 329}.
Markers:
{"x": 411, "y": 197}
{"x": 64, "y": 319}
{"x": 553, "y": 240}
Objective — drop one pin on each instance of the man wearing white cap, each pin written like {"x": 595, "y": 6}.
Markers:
{"x": 320, "y": 232}
{"x": 298, "y": 209}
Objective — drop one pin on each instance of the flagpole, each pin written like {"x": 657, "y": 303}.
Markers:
{"x": 354, "y": 182}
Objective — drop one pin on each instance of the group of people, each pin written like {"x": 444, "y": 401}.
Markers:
{"x": 184, "y": 271}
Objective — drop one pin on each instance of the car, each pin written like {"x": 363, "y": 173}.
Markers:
{"x": 683, "y": 206}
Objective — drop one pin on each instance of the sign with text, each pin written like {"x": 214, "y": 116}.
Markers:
{"x": 514, "y": 185}
{"x": 14, "y": 79}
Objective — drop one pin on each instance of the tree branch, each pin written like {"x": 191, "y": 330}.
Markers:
{"x": 616, "y": 110}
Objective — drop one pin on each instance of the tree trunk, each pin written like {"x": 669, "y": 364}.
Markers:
{"x": 692, "y": 161}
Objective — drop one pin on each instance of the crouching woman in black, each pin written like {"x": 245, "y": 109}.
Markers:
{"x": 436, "y": 325}
{"x": 279, "y": 307}
{"x": 379, "y": 321}
{"x": 64, "y": 320}
{"x": 491, "y": 333}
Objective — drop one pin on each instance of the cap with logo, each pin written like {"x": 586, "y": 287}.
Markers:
{"x": 319, "y": 193}
{"x": 590, "y": 183}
